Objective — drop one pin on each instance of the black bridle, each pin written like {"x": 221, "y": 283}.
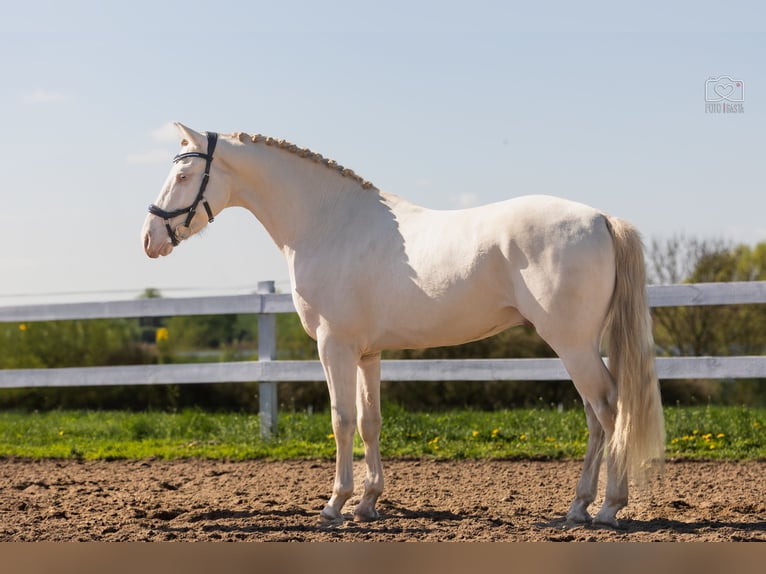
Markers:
{"x": 212, "y": 139}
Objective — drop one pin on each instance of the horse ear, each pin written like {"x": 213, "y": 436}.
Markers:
{"x": 189, "y": 136}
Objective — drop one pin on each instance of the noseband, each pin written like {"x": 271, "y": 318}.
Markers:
{"x": 212, "y": 139}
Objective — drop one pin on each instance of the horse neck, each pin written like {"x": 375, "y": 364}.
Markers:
{"x": 293, "y": 197}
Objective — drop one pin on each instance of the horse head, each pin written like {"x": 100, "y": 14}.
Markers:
{"x": 194, "y": 180}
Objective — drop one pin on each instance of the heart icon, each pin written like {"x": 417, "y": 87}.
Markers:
{"x": 723, "y": 90}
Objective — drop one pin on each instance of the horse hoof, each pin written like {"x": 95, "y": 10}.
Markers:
{"x": 366, "y": 515}
{"x": 578, "y": 517}
{"x": 330, "y": 518}
{"x": 606, "y": 522}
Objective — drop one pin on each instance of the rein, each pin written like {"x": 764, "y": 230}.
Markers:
{"x": 191, "y": 210}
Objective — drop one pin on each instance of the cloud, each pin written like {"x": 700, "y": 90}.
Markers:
{"x": 150, "y": 156}
{"x": 166, "y": 133}
{"x": 423, "y": 182}
{"x": 43, "y": 97}
{"x": 466, "y": 199}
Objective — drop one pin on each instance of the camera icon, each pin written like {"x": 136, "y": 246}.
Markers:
{"x": 724, "y": 88}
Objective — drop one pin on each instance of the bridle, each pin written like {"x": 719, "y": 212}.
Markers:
{"x": 191, "y": 210}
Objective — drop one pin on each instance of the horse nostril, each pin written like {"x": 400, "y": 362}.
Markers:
{"x": 146, "y": 242}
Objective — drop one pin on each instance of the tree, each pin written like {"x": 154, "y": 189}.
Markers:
{"x": 708, "y": 330}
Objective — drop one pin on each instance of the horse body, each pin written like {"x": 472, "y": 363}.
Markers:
{"x": 371, "y": 271}
{"x": 423, "y": 278}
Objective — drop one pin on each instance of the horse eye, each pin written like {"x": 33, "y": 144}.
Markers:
{"x": 181, "y": 177}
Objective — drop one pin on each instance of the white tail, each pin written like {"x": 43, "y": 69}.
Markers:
{"x": 638, "y": 442}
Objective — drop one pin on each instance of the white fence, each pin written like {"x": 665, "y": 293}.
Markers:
{"x": 268, "y": 372}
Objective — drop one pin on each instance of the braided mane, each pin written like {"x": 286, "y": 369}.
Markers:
{"x": 305, "y": 153}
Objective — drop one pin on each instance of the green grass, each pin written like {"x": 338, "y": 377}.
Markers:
{"x": 693, "y": 433}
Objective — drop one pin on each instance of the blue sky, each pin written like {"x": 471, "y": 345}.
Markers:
{"x": 448, "y": 104}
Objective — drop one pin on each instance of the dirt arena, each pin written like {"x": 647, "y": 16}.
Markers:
{"x": 425, "y": 500}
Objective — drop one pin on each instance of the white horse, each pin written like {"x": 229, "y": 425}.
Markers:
{"x": 371, "y": 271}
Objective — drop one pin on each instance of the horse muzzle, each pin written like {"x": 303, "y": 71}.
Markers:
{"x": 155, "y": 239}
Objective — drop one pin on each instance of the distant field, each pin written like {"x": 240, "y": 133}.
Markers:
{"x": 692, "y": 433}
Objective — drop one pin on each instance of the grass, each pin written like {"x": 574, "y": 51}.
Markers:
{"x": 710, "y": 432}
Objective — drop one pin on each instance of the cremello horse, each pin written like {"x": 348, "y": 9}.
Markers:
{"x": 371, "y": 271}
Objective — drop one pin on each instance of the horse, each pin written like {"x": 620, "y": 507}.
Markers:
{"x": 371, "y": 271}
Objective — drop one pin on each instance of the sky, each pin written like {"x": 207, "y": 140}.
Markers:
{"x": 449, "y": 104}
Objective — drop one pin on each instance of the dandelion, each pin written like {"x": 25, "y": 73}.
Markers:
{"x": 23, "y": 327}
{"x": 720, "y": 435}
{"x": 495, "y": 432}
{"x": 475, "y": 433}
{"x": 61, "y": 433}
{"x": 523, "y": 437}
{"x": 675, "y": 440}
{"x": 330, "y": 436}
{"x": 162, "y": 334}
{"x": 712, "y": 446}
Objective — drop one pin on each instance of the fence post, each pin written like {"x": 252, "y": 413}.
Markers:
{"x": 267, "y": 351}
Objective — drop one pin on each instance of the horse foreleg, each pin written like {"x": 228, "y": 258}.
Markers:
{"x": 339, "y": 362}
{"x": 369, "y": 423}
{"x": 585, "y": 493}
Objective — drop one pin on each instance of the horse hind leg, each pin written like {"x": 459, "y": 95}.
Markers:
{"x": 585, "y": 492}
{"x": 599, "y": 392}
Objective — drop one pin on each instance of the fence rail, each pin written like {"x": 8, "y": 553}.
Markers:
{"x": 267, "y": 302}
{"x": 268, "y": 372}
{"x": 394, "y": 370}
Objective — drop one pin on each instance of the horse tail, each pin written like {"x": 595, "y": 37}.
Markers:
{"x": 637, "y": 445}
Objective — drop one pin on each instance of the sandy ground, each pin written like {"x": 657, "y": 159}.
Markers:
{"x": 424, "y": 500}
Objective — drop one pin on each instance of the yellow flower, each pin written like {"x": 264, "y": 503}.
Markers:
{"x": 23, "y": 327}
{"x": 495, "y": 432}
{"x": 523, "y": 437}
{"x": 331, "y": 436}
{"x": 475, "y": 433}
{"x": 162, "y": 334}
{"x": 61, "y": 433}
{"x": 720, "y": 435}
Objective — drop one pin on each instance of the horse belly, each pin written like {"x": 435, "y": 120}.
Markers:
{"x": 456, "y": 329}
{"x": 464, "y": 312}
{"x": 411, "y": 319}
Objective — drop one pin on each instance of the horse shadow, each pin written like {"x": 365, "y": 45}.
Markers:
{"x": 744, "y": 531}
{"x": 297, "y": 520}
